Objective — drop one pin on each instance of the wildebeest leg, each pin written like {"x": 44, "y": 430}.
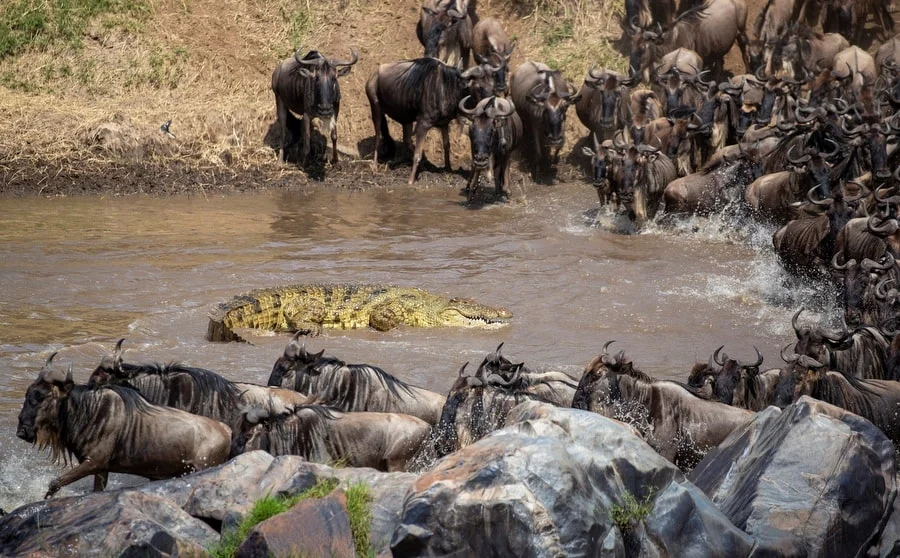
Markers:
{"x": 378, "y": 118}
{"x": 445, "y": 142}
{"x": 100, "y": 480}
{"x": 85, "y": 468}
{"x": 421, "y": 132}
{"x": 501, "y": 178}
{"x": 304, "y": 150}
{"x": 332, "y": 123}
{"x": 282, "y": 114}
{"x": 472, "y": 185}
{"x": 538, "y": 150}
{"x": 742, "y": 44}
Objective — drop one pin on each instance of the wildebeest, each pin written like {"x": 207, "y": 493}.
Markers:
{"x": 479, "y": 403}
{"x": 768, "y": 28}
{"x": 494, "y": 134}
{"x": 772, "y": 197}
{"x": 862, "y": 290}
{"x": 195, "y": 390}
{"x": 737, "y": 383}
{"x": 424, "y": 91}
{"x": 383, "y": 441}
{"x": 490, "y": 44}
{"x": 602, "y": 167}
{"x": 888, "y": 55}
{"x": 678, "y": 424}
{"x": 710, "y": 30}
{"x": 114, "y": 430}
{"x": 860, "y": 353}
{"x": 351, "y": 387}
{"x": 542, "y": 97}
{"x": 445, "y": 30}
{"x": 643, "y": 175}
{"x": 805, "y": 51}
{"x": 854, "y": 67}
{"x": 847, "y": 17}
{"x": 875, "y": 400}
{"x": 309, "y": 87}
{"x": 603, "y": 105}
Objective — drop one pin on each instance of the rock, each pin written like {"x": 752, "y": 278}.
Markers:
{"x": 222, "y": 494}
{"x": 325, "y": 531}
{"x": 889, "y": 544}
{"x": 813, "y": 480}
{"x": 117, "y": 523}
{"x": 550, "y": 482}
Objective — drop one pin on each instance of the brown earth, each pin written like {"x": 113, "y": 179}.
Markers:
{"x": 88, "y": 120}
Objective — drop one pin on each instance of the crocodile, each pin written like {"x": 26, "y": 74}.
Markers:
{"x": 309, "y": 308}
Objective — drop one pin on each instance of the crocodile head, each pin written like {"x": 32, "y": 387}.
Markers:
{"x": 461, "y": 312}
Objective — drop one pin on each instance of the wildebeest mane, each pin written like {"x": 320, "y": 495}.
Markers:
{"x": 414, "y": 79}
{"x": 360, "y": 375}
{"x": 220, "y": 396}
{"x": 298, "y": 431}
{"x": 695, "y": 15}
{"x": 86, "y": 415}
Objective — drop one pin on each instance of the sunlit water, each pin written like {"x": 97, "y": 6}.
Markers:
{"x": 78, "y": 274}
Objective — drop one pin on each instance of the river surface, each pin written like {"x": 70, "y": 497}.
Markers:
{"x": 80, "y": 273}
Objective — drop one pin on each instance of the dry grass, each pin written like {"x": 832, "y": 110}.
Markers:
{"x": 85, "y": 106}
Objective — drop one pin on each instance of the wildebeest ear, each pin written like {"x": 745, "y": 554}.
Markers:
{"x": 117, "y": 355}
{"x": 319, "y": 354}
{"x": 61, "y": 390}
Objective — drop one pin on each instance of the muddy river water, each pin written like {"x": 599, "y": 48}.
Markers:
{"x": 77, "y": 274}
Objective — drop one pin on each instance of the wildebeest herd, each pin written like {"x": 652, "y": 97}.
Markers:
{"x": 805, "y": 140}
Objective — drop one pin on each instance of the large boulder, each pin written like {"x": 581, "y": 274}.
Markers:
{"x": 561, "y": 482}
{"x": 222, "y": 494}
{"x": 812, "y": 480}
{"x": 325, "y": 532}
{"x": 117, "y": 523}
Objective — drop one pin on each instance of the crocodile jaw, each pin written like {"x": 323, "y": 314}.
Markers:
{"x": 455, "y": 317}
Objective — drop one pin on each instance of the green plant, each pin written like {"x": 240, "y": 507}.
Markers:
{"x": 630, "y": 512}
{"x": 299, "y": 22}
{"x": 264, "y": 508}
{"x": 39, "y": 23}
{"x": 359, "y": 508}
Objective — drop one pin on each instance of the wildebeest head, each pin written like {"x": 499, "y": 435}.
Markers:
{"x": 110, "y": 368}
{"x": 38, "y": 419}
{"x": 602, "y": 156}
{"x": 599, "y": 379}
{"x": 497, "y": 67}
{"x": 797, "y": 378}
{"x": 486, "y": 132}
{"x": 859, "y": 287}
{"x": 295, "y": 362}
{"x": 436, "y": 24}
{"x": 731, "y": 372}
{"x": 612, "y": 90}
{"x": 817, "y": 342}
{"x": 553, "y": 95}
{"x": 323, "y": 73}
{"x": 645, "y": 43}
{"x": 252, "y": 430}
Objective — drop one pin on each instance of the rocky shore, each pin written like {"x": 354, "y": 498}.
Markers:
{"x": 811, "y": 480}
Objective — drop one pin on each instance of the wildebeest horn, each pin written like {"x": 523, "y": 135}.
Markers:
{"x": 43, "y": 373}
{"x": 593, "y": 76}
{"x": 794, "y": 321}
{"x": 804, "y": 110}
{"x": 881, "y": 287}
{"x": 619, "y": 144}
{"x": 354, "y": 58}
{"x": 886, "y": 228}
{"x": 715, "y": 356}
{"x": 837, "y": 336}
{"x": 463, "y": 369}
{"x": 462, "y": 107}
{"x": 313, "y": 62}
{"x": 473, "y": 72}
{"x": 803, "y": 159}
{"x": 455, "y": 14}
{"x": 891, "y": 199}
{"x": 539, "y": 92}
{"x": 875, "y": 266}
{"x": 758, "y": 75}
{"x": 502, "y": 108}
{"x": 823, "y": 202}
{"x": 810, "y": 362}
{"x": 833, "y": 152}
{"x": 604, "y": 350}
{"x": 69, "y": 379}
{"x": 841, "y": 267}
{"x": 759, "y": 359}
{"x": 863, "y": 191}
{"x": 604, "y": 354}
{"x": 789, "y": 359}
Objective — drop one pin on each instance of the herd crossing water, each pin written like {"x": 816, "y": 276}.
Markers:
{"x": 81, "y": 273}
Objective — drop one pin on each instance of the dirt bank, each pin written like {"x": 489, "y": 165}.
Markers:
{"x": 86, "y": 119}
